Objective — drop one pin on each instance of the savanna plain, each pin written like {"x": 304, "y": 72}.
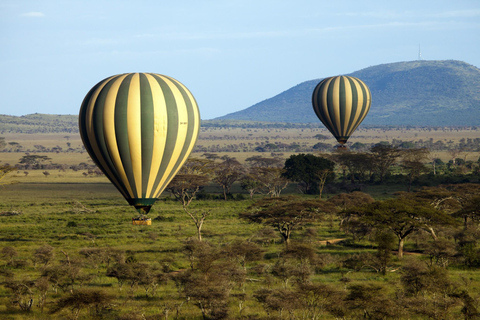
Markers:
{"x": 347, "y": 241}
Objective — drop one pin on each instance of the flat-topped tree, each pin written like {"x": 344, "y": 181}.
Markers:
{"x": 402, "y": 216}
{"x": 286, "y": 213}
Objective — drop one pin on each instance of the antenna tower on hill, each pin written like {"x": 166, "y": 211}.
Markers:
{"x": 419, "y": 53}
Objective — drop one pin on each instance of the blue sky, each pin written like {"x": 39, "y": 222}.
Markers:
{"x": 230, "y": 54}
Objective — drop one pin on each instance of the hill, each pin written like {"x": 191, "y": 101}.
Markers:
{"x": 39, "y": 123}
{"x": 430, "y": 93}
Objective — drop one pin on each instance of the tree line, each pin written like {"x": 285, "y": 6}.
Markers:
{"x": 340, "y": 170}
{"x": 464, "y": 145}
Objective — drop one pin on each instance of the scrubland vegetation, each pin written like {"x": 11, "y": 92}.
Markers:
{"x": 260, "y": 224}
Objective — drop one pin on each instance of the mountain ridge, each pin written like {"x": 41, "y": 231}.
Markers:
{"x": 421, "y": 92}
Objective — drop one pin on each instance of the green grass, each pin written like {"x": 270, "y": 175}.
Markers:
{"x": 71, "y": 214}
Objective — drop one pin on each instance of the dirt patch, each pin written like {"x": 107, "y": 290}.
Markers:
{"x": 330, "y": 242}
{"x": 10, "y": 213}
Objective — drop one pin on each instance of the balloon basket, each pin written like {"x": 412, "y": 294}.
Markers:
{"x": 141, "y": 221}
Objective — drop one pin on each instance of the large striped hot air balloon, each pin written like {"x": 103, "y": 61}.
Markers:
{"x": 341, "y": 103}
{"x": 139, "y": 128}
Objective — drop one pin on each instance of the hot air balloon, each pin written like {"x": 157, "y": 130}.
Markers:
{"x": 139, "y": 129}
{"x": 341, "y": 103}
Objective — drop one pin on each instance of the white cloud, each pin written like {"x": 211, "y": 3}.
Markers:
{"x": 33, "y": 14}
{"x": 459, "y": 14}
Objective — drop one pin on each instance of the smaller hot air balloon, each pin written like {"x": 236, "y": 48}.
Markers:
{"x": 139, "y": 128}
{"x": 341, "y": 103}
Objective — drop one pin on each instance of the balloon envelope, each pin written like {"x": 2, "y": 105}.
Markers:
{"x": 139, "y": 128}
{"x": 341, "y": 103}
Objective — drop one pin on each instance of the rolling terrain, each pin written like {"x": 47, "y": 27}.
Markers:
{"x": 417, "y": 93}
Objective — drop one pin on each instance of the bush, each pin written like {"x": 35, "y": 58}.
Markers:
{"x": 72, "y": 224}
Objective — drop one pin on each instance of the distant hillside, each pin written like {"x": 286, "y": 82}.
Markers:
{"x": 431, "y": 93}
{"x": 39, "y": 123}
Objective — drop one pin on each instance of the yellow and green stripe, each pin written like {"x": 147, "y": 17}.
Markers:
{"x": 341, "y": 103}
{"x": 139, "y": 128}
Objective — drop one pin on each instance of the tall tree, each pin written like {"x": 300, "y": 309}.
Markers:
{"x": 470, "y": 211}
{"x": 226, "y": 173}
{"x": 413, "y": 161}
{"x": 264, "y": 175}
{"x": 357, "y": 165}
{"x": 322, "y": 176}
{"x": 384, "y": 156}
{"x": 250, "y": 183}
{"x": 306, "y": 170}
{"x": 192, "y": 177}
{"x": 272, "y": 180}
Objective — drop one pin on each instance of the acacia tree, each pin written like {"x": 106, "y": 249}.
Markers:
{"x": 286, "y": 213}
{"x": 385, "y": 245}
{"x": 192, "y": 177}
{"x": 250, "y": 184}
{"x": 251, "y": 181}
{"x": 358, "y": 164}
{"x": 210, "y": 280}
{"x": 306, "y": 169}
{"x": 319, "y": 299}
{"x": 21, "y": 293}
{"x": 461, "y": 200}
{"x": 264, "y": 175}
{"x": 322, "y": 176}
{"x": 402, "y": 217}
{"x": 9, "y": 253}
{"x": 272, "y": 180}
{"x": 95, "y": 300}
{"x": 413, "y": 161}
{"x": 344, "y": 201}
{"x": 371, "y": 301}
{"x": 4, "y": 170}
{"x": 470, "y": 211}
{"x": 349, "y": 220}
{"x": 243, "y": 252}
{"x": 43, "y": 255}
{"x": 226, "y": 173}
{"x": 384, "y": 156}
